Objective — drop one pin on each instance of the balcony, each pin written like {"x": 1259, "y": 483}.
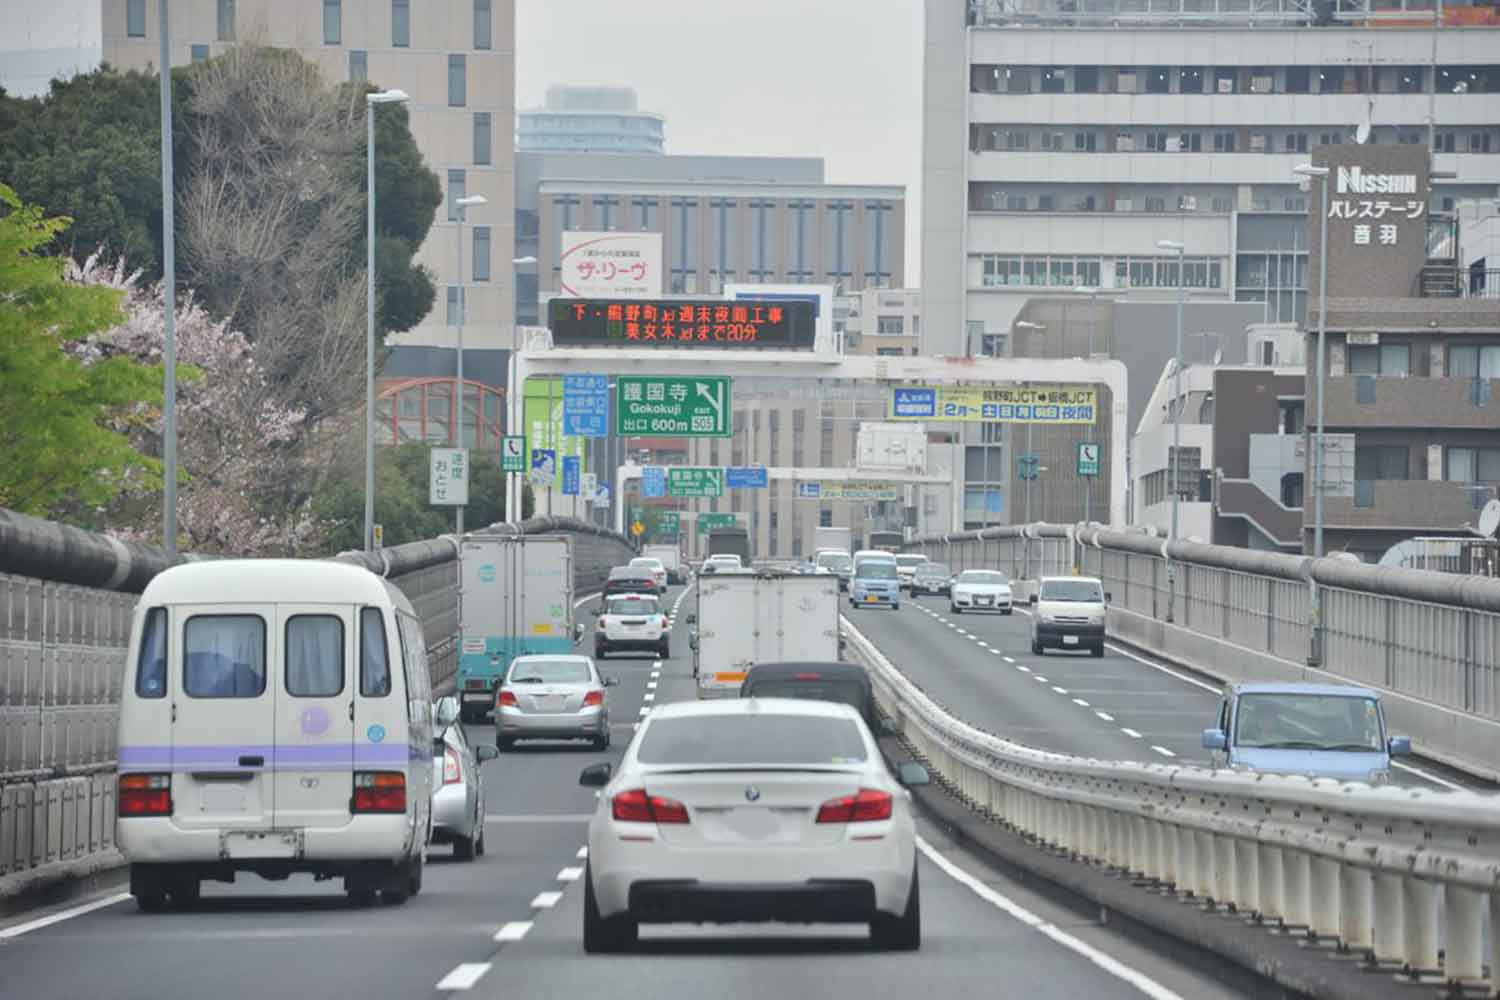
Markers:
{"x": 1359, "y": 401}
{"x": 1408, "y": 504}
{"x": 1450, "y": 281}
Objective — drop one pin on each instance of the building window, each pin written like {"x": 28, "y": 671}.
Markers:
{"x": 877, "y": 239}
{"x": 482, "y": 135}
{"x": 401, "y": 23}
{"x": 1331, "y": 139}
{"x": 1085, "y": 142}
{"x": 685, "y": 246}
{"x": 1224, "y": 142}
{"x": 1156, "y": 204}
{"x": 1479, "y": 142}
{"x": 1295, "y": 203}
{"x": 605, "y": 206}
{"x": 1331, "y": 80}
{"x": 1372, "y": 462}
{"x": 226, "y": 20}
{"x": 1190, "y": 80}
{"x": 1054, "y": 80}
{"x": 453, "y": 305}
{"x": 1156, "y": 142}
{"x": 1158, "y": 80}
{"x": 646, "y": 214}
{"x": 1291, "y": 490}
{"x": 1190, "y": 142}
{"x": 1015, "y": 203}
{"x": 1472, "y": 465}
{"x": 482, "y": 23}
{"x": 481, "y": 253}
{"x": 1017, "y": 139}
{"x": 762, "y": 266}
{"x": 135, "y": 18}
{"x": 1474, "y": 361}
{"x": 1296, "y": 142}
{"x": 1225, "y": 78}
{"x": 458, "y": 80}
{"x": 1298, "y": 79}
{"x": 1223, "y": 205}
{"x": 199, "y": 53}
{"x": 1086, "y": 79}
{"x": 838, "y": 243}
{"x": 799, "y": 216}
{"x": 1385, "y": 360}
{"x": 333, "y": 22}
{"x": 457, "y": 188}
{"x": 889, "y": 326}
{"x": 359, "y": 66}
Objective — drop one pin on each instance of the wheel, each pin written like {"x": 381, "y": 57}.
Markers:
{"x": 896, "y": 606}
{"x": 503, "y": 744}
{"x": 664, "y": 651}
{"x": 601, "y": 742}
{"x": 185, "y": 891}
{"x": 1098, "y": 650}
{"x": 953, "y": 609}
{"x": 149, "y": 889}
{"x": 903, "y": 933}
{"x": 599, "y": 652}
{"x": 1005, "y": 611}
{"x": 603, "y": 935}
{"x": 403, "y": 883}
{"x": 361, "y": 896}
{"x": 1036, "y": 647}
{"x": 464, "y": 848}
{"x": 479, "y": 839}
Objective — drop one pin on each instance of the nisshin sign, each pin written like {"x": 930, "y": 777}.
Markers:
{"x": 1353, "y": 180}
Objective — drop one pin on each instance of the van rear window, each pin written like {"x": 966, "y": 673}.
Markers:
{"x": 224, "y": 656}
{"x": 151, "y": 666}
{"x": 374, "y": 656}
{"x": 314, "y": 656}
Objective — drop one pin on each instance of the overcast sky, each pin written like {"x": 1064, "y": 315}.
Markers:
{"x": 840, "y": 79}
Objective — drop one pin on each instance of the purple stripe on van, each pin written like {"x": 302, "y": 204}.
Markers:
{"x": 328, "y": 756}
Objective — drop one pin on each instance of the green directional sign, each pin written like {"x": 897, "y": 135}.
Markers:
{"x": 668, "y": 524}
{"x": 513, "y": 453}
{"x": 1088, "y": 458}
{"x": 708, "y": 522}
{"x": 672, "y": 406}
{"x": 693, "y": 481}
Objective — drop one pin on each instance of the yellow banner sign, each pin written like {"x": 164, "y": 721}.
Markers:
{"x": 1055, "y": 405}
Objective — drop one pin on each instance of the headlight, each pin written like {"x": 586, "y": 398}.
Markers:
{"x": 1379, "y": 776}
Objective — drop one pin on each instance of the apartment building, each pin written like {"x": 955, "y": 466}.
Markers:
{"x": 456, "y": 60}
{"x": 881, "y": 321}
{"x": 1061, "y": 141}
{"x": 590, "y": 120}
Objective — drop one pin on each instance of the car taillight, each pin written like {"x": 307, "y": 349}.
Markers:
{"x": 663, "y": 621}
{"x": 506, "y": 698}
{"x": 635, "y": 806}
{"x": 380, "y": 792}
{"x": 452, "y": 773}
{"x": 593, "y": 698}
{"x": 145, "y": 795}
{"x": 809, "y": 676}
{"x": 866, "y": 805}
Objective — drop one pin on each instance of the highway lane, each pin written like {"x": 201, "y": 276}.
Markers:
{"x": 1119, "y": 707}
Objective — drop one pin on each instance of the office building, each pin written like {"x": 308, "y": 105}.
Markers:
{"x": 44, "y": 42}
{"x": 455, "y": 60}
{"x": 1061, "y": 141}
{"x": 590, "y": 120}
{"x": 881, "y": 321}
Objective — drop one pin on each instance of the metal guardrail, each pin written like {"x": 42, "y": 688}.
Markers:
{"x": 1399, "y": 876}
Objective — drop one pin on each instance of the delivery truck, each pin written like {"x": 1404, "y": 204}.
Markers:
{"x": 740, "y": 620}
{"x": 730, "y": 542}
{"x": 515, "y": 596}
{"x": 671, "y": 558}
{"x": 833, "y": 538}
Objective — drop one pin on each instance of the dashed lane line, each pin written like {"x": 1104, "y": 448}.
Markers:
{"x": 1163, "y": 751}
{"x": 1130, "y": 732}
{"x": 569, "y": 874}
{"x": 513, "y": 931}
{"x": 545, "y": 900}
{"x": 464, "y": 976}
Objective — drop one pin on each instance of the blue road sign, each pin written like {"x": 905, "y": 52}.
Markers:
{"x": 544, "y": 467}
{"x": 586, "y": 405}
{"x": 653, "y": 481}
{"x": 752, "y": 477}
{"x": 810, "y": 491}
{"x": 572, "y": 469}
{"x": 913, "y": 402}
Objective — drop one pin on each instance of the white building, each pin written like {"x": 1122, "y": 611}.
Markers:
{"x": 43, "y": 42}
{"x": 590, "y": 120}
{"x": 1059, "y": 147}
{"x": 884, "y": 321}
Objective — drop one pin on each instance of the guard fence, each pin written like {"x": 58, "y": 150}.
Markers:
{"x": 66, "y": 600}
{"x": 1430, "y": 641}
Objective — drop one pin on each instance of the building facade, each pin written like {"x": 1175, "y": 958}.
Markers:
{"x": 882, "y": 321}
{"x": 590, "y": 120}
{"x": 1062, "y": 141}
{"x": 43, "y": 42}
{"x": 456, "y": 60}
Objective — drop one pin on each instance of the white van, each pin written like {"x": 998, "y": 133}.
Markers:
{"x": 276, "y": 718}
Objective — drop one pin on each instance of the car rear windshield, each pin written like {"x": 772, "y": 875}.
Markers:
{"x": 549, "y": 672}
{"x": 845, "y": 692}
{"x": 983, "y": 576}
{"x": 907, "y": 562}
{"x": 646, "y": 563}
{"x": 875, "y": 570}
{"x": 1308, "y": 722}
{"x": 1072, "y": 590}
{"x": 835, "y": 562}
{"x": 762, "y": 738}
{"x": 631, "y": 606}
{"x": 932, "y": 569}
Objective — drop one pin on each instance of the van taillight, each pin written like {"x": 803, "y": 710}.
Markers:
{"x": 506, "y": 698}
{"x": 867, "y": 805}
{"x": 145, "y": 795}
{"x": 379, "y": 792}
{"x": 635, "y": 806}
{"x": 452, "y": 773}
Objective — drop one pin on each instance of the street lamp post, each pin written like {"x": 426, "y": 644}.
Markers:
{"x": 1315, "y": 654}
{"x": 515, "y": 488}
{"x": 462, "y": 205}
{"x": 1093, "y": 294}
{"x": 380, "y": 97}
{"x": 1028, "y": 325}
{"x": 1174, "y": 460}
{"x": 169, "y": 300}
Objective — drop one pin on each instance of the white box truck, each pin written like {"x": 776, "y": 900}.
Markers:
{"x": 515, "y": 596}
{"x": 744, "y": 619}
{"x": 833, "y": 538}
{"x": 671, "y": 558}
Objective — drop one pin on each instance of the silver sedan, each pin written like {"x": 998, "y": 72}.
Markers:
{"x": 457, "y": 786}
{"x": 552, "y": 697}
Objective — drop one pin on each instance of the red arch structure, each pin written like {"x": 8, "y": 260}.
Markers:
{"x": 421, "y": 409}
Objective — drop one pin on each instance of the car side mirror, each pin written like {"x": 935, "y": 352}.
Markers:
{"x": 595, "y": 613}
{"x": 446, "y": 713}
{"x": 912, "y": 775}
{"x": 610, "y": 682}
{"x": 1108, "y": 597}
{"x": 486, "y": 752}
{"x": 692, "y": 619}
{"x": 577, "y": 633}
{"x": 1213, "y": 739}
{"x": 1399, "y": 746}
{"x": 1031, "y": 599}
{"x": 596, "y": 775}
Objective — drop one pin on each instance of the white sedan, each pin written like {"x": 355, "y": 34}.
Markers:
{"x": 755, "y": 809}
{"x": 981, "y": 590}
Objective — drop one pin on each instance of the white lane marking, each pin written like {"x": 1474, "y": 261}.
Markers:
{"x": 964, "y": 634}
{"x": 569, "y": 874}
{"x": 1002, "y": 655}
{"x": 649, "y": 696}
{"x": 1080, "y": 703}
{"x": 1040, "y": 679}
{"x": 1111, "y": 965}
{"x": 1211, "y": 689}
{"x": 1007, "y": 659}
{"x": 463, "y": 977}
{"x": 513, "y": 931}
{"x": 583, "y": 852}
{"x": 645, "y": 709}
{"x": 656, "y": 665}
{"x": 17, "y": 930}
{"x": 983, "y": 644}
{"x": 1104, "y": 715}
{"x": 1059, "y": 690}
{"x": 1163, "y": 751}
{"x": 651, "y": 685}
{"x": 545, "y": 900}
{"x": 1452, "y": 786}
{"x": 1021, "y": 667}
{"x": 1130, "y": 732}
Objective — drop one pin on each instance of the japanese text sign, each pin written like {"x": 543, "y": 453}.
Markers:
{"x": 697, "y": 325}
{"x": 1057, "y": 405}
{"x": 571, "y": 469}
{"x": 586, "y": 405}
{"x": 693, "y": 481}
{"x": 610, "y": 265}
{"x": 448, "y": 477}
{"x": 672, "y": 406}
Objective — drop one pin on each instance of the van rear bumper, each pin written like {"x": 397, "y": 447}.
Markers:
{"x": 363, "y": 838}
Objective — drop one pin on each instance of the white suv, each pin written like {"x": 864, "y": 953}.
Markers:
{"x": 632, "y": 622}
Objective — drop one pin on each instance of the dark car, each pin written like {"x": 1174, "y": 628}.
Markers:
{"x": 846, "y": 683}
{"x": 631, "y": 580}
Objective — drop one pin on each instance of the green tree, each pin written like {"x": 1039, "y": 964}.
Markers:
{"x": 67, "y": 405}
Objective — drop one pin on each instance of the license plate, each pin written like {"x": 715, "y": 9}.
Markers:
{"x": 871, "y": 598}
{"x": 259, "y": 845}
{"x": 550, "y": 702}
{"x": 1070, "y": 640}
{"x": 729, "y": 677}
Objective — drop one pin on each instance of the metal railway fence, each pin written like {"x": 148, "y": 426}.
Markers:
{"x": 66, "y": 599}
